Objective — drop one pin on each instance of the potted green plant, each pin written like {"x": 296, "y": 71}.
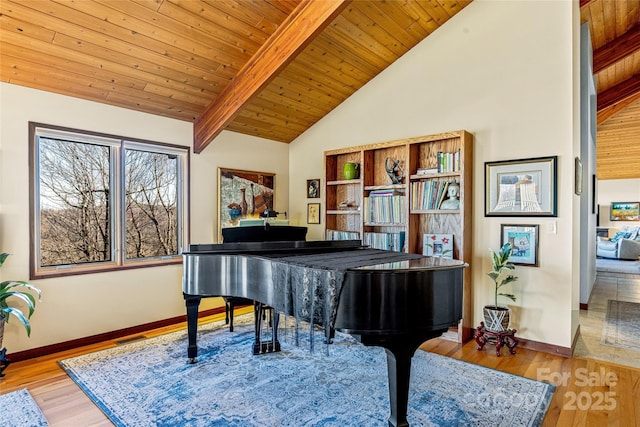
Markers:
{"x": 16, "y": 290}
{"x": 496, "y": 317}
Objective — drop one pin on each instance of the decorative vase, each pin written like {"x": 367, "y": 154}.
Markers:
{"x": 496, "y": 319}
{"x": 351, "y": 170}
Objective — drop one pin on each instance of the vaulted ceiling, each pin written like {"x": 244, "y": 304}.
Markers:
{"x": 615, "y": 37}
{"x": 269, "y": 68}
{"x": 266, "y": 68}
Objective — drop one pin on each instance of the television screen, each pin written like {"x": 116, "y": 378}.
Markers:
{"x": 625, "y": 211}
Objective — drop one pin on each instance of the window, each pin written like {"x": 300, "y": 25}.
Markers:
{"x": 101, "y": 202}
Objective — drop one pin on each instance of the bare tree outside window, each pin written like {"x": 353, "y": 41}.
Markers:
{"x": 151, "y": 204}
{"x": 75, "y": 218}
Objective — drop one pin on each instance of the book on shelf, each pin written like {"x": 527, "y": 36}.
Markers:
{"x": 427, "y": 171}
{"x": 448, "y": 162}
{"x": 341, "y": 235}
{"x": 385, "y": 241}
{"x": 384, "y": 206}
{"x": 428, "y": 195}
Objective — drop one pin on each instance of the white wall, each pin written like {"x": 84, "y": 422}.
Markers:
{"x": 79, "y": 306}
{"x": 616, "y": 190}
{"x": 490, "y": 70}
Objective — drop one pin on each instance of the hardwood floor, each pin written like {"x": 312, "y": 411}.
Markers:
{"x": 582, "y": 399}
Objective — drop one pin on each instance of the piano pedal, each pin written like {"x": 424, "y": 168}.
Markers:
{"x": 266, "y": 347}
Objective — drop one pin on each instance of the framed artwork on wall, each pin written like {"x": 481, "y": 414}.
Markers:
{"x": 313, "y": 213}
{"x": 241, "y": 195}
{"x": 524, "y": 241}
{"x": 625, "y": 211}
{"x": 525, "y": 187}
{"x": 313, "y": 188}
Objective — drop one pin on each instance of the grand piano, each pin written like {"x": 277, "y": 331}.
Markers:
{"x": 389, "y": 299}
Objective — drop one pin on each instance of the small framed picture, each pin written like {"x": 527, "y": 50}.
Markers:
{"x": 524, "y": 241}
{"x": 438, "y": 245}
{"x": 313, "y": 188}
{"x": 313, "y": 213}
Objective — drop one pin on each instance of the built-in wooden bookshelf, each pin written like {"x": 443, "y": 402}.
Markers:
{"x": 373, "y": 204}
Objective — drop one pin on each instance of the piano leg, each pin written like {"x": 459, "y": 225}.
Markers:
{"x": 192, "y": 302}
{"x": 400, "y": 349}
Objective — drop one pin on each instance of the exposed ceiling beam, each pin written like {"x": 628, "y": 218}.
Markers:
{"x": 619, "y": 92}
{"x": 617, "y": 49}
{"x": 306, "y": 21}
{"x": 612, "y": 110}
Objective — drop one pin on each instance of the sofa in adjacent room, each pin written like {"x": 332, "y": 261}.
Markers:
{"x": 625, "y": 244}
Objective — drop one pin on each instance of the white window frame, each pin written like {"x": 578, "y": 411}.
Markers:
{"x": 118, "y": 146}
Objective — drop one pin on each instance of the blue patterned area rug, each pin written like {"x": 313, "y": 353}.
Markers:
{"x": 18, "y": 409}
{"x": 150, "y": 383}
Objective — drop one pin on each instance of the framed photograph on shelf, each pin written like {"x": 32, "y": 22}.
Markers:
{"x": 313, "y": 213}
{"x": 437, "y": 245}
{"x": 625, "y": 211}
{"x": 525, "y": 187}
{"x": 313, "y": 188}
{"x": 524, "y": 241}
{"x": 242, "y": 195}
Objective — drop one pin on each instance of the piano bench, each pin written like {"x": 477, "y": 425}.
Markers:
{"x": 230, "y": 303}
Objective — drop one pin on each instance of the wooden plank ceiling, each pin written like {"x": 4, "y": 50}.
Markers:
{"x": 191, "y": 60}
{"x": 615, "y": 39}
{"x": 176, "y": 57}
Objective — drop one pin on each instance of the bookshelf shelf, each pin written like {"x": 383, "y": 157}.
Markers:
{"x": 417, "y": 177}
{"x": 345, "y": 182}
{"x": 343, "y": 212}
{"x": 385, "y": 187}
{"x": 434, "y": 211}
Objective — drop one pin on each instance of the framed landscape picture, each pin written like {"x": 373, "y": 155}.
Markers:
{"x": 241, "y": 195}
{"x": 526, "y": 187}
{"x": 625, "y": 211}
{"x": 524, "y": 241}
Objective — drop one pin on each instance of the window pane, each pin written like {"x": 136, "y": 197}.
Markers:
{"x": 75, "y": 217}
{"x": 151, "y": 182}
